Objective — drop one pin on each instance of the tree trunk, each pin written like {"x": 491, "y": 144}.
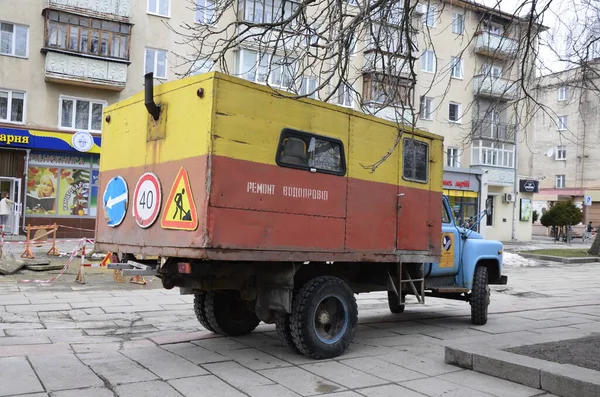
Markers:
{"x": 595, "y": 250}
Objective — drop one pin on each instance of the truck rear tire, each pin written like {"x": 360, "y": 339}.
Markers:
{"x": 199, "y": 304}
{"x": 395, "y": 307}
{"x": 324, "y": 317}
{"x": 282, "y": 326}
{"x": 480, "y": 296}
{"x": 228, "y": 315}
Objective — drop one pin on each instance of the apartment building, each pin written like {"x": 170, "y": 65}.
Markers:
{"x": 564, "y": 153}
{"x": 63, "y": 61}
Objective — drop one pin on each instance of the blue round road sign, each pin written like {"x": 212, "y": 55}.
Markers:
{"x": 116, "y": 198}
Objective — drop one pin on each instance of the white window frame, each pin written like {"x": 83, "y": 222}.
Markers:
{"x": 456, "y": 29}
{"x": 456, "y": 63}
{"x": 430, "y": 13}
{"x": 344, "y": 97}
{"x": 563, "y": 123}
{"x": 154, "y": 70}
{"x": 62, "y": 98}
{"x": 9, "y": 107}
{"x": 560, "y": 181}
{"x": 497, "y": 154}
{"x": 205, "y": 65}
{"x": 305, "y": 88}
{"x": 204, "y": 7}
{"x": 14, "y": 40}
{"x": 425, "y": 55}
{"x": 453, "y": 157}
{"x": 239, "y": 61}
{"x": 563, "y": 93}
{"x": 458, "y": 112}
{"x": 157, "y": 11}
{"x": 426, "y": 108}
{"x": 493, "y": 28}
{"x": 561, "y": 153}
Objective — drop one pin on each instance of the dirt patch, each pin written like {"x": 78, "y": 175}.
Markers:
{"x": 582, "y": 352}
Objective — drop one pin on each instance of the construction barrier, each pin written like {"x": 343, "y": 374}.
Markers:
{"x": 38, "y": 236}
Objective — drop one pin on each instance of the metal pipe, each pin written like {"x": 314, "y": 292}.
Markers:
{"x": 151, "y": 106}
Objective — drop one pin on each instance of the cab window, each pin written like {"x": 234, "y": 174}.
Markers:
{"x": 445, "y": 214}
{"x": 302, "y": 150}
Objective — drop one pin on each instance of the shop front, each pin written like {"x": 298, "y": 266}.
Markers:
{"x": 52, "y": 177}
{"x": 463, "y": 188}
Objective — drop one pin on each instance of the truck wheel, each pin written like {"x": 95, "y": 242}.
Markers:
{"x": 395, "y": 307}
{"x": 480, "y": 296}
{"x": 199, "y": 304}
{"x": 228, "y": 315}
{"x": 282, "y": 326}
{"x": 324, "y": 317}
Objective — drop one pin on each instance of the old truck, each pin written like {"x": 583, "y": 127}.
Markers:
{"x": 269, "y": 209}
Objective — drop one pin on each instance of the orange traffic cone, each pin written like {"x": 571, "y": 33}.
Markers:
{"x": 137, "y": 280}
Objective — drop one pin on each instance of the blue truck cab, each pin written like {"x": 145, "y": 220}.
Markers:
{"x": 469, "y": 264}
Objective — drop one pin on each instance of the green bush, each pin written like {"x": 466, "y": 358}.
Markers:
{"x": 561, "y": 214}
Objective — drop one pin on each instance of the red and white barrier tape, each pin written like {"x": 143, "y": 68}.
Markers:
{"x": 81, "y": 245}
{"x": 36, "y": 243}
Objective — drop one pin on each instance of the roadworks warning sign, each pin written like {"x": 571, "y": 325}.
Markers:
{"x": 180, "y": 211}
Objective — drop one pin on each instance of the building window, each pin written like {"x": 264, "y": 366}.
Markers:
{"x": 453, "y": 157}
{"x": 456, "y": 67}
{"x": 563, "y": 93}
{"x": 81, "y": 114}
{"x": 489, "y": 206}
{"x": 309, "y": 87}
{"x": 307, "y": 151}
{"x": 159, "y": 7}
{"x": 87, "y": 35}
{"x": 13, "y": 39}
{"x": 156, "y": 62}
{"x": 345, "y": 95}
{"x": 202, "y": 65}
{"x": 254, "y": 67}
{"x": 454, "y": 112}
{"x": 430, "y": 16}
{"x": 491, "y": 70}
{"x": 562, "y": 123}
{"x": 428, "y": 61}
{"x": 493, "y": 153}
{"x": 386, "y": 91}
{"x": 458, "y": 23}
{"x": 12, "y": 106}
{"x": 266, "y": 11}
{"x": 426, "y": 108}
{"x": 560, "y": 181}
{"x": 415, "y": 160}
{"x": 561, "y": 153}
{"x": 205, "y": 12}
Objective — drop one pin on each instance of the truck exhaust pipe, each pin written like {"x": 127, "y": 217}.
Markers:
{"x": 151, "y": 106}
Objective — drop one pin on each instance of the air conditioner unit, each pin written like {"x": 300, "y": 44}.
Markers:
{"x": 509, "y": 198}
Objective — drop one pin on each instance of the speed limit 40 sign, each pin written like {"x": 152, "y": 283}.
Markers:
{"x": 146, "y": 200}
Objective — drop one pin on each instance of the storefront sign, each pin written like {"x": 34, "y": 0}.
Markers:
{"x": 34, "y": 139}
{"x": 42, "y": 158}
{"x": 460, "y": 181}
{"x": 528, "y": 186}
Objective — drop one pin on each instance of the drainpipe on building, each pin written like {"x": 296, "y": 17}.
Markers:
{"x": 516, "y": 180}
{"x": 26, "y": 175}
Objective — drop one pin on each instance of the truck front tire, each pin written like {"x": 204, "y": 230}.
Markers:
{"x": 480, "y": 296}
{"x": 324, "y": 317}
{"x": 228, "y": 315}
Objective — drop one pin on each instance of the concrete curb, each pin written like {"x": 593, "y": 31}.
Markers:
{"x": 563, "y": 380}
{"x": 552, "y": 258}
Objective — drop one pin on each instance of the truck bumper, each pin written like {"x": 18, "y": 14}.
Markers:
{"x": 503, "y": 280}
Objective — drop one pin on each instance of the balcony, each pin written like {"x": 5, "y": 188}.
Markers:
{"x": 492, "y": 130}
{"x": 118, "y": 10}
{"x": 85, "y": 71}
{"x": 390, "y": 113}
{"x": 494, "y": 87}
{"x": 388, "y": 65}
{"x": 495, "y": 46}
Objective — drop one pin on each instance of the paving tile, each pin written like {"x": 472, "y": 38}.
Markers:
{"x": 163, "y": 363}
{"x": 23, "y": 340}
{"x": 64, "y": 371}
{"x": 254, "y": 359}
{"x": 30, "y": 350}
{"x": 179, "y": 337}
{"x": 383, "y": 369}
{"x": 38, "y": 308}
{"x": 90, "y": 392}
{"x": 272, "y": 391}
{"x": 208, "y": 385}
{"x": 218, "y": 344}
{"x": 301, "y": 381}
{"x": 194, "y": 353}
{"x": 236, "y": 375}
{"x": 130, "y": 308}
{"x": 100, "y": 347}
{"x": 116, "y": 368}
{"x": 389, "y": 391}
{"x": 21, "y": 325}
{"x": 17, "y": 377}
{"x": 424, "y": 365}
{"x": 435, "y": 387}
{"x": 343, "y": 374}
{"x": 489, "y": 384}
{"x": 152, "y": 388}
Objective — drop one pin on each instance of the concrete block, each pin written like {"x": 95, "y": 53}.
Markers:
{"x": 17, "y": 377}
{"x": 382, "y": 369}
{"x": 65, "y": 371}
{"x": 205, "y": 385}
{"x": 509, "y": 366}
{"x": 301, "y": 381}
{"x": 162, "y": 363}
{"x": 91, "y": 392}
{"x": 387, "y": 391}
{"x": 236, "y": 375}
{"x": 153, "y": 388}
{"x": 570, "y": 381}
{"x": 116, "y": 368}
{"x": 458, "y": 357}
{"x": 344, "y": 374}
{"x": 196, "y": 354}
